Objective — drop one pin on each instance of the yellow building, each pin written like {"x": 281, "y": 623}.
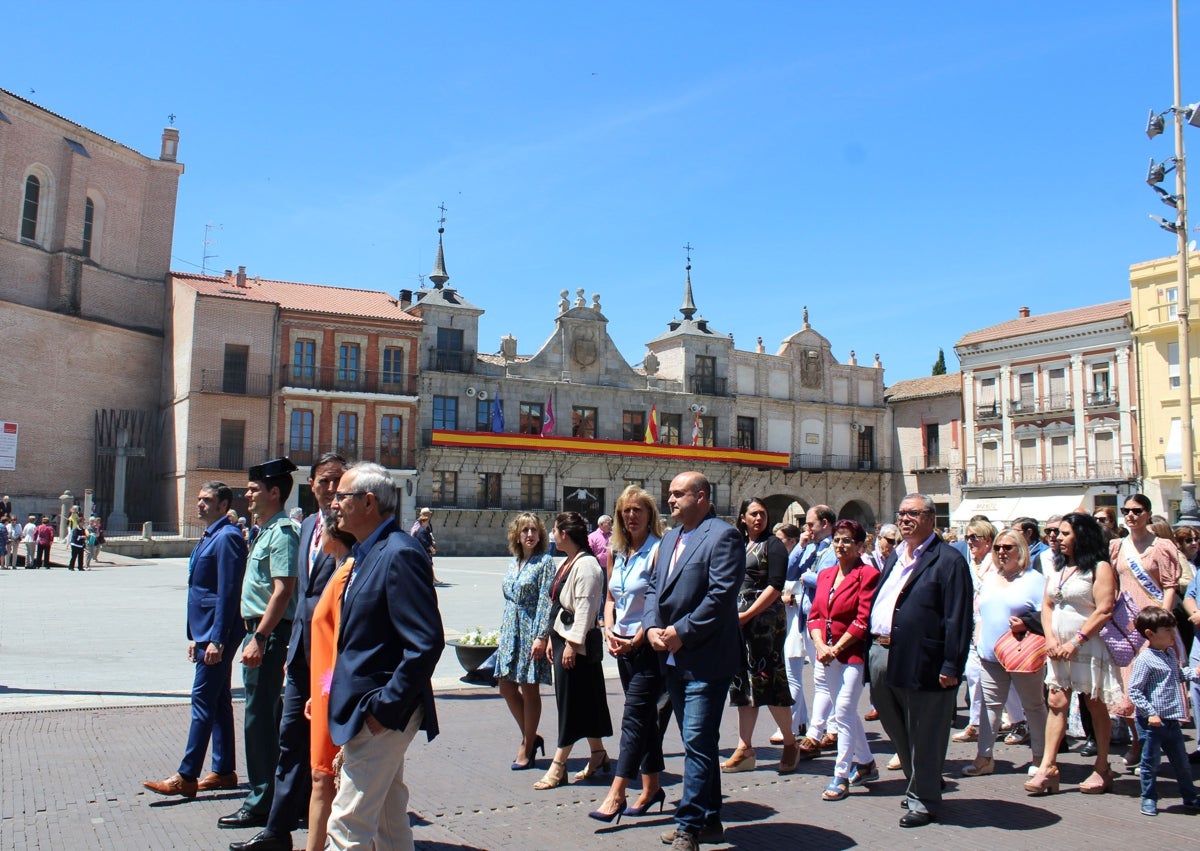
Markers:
{"x": 1154, "y": 297}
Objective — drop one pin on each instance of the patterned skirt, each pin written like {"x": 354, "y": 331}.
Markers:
{"x": 763, "y": 679}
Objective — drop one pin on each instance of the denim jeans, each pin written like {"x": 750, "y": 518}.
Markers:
{"x": 698, "y": 706}
{"x": 1156, "y": 741}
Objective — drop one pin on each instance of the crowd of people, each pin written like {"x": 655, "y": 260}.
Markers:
{"x": 339, "y": 631}
{"x": 28, "y": 545}
{"x": 1026, "y": 617}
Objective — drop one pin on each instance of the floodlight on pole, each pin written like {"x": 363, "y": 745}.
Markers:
{"x": 1171, "y": 227}
{"x": 1154, "y": 124}
{"x": 1157, "y": 172}
{"x": 1166, "y": 197}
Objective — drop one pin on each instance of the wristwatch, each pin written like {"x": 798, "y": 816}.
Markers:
{"x": 260, "y": 638}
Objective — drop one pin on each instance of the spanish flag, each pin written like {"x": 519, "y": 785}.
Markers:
{"x": 652, "y": 425}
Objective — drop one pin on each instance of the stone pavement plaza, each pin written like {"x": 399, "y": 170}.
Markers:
{"x": 93, "y": 686}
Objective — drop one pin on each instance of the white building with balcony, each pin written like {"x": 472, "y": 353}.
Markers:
{"x": 1049, "y": 407}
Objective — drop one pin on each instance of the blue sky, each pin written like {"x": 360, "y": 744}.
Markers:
{"x": 910, "y": 172}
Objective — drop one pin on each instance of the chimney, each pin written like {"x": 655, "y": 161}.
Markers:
{"x": 241, "y": 276}
{"x": 170, "y": 145}
{"x": 405, "y": 299}
{"x": 229, "y": 274}
{"x": 1024, "y": 311}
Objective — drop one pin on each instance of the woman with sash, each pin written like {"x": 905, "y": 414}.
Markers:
{"x": 1148, "y": 571}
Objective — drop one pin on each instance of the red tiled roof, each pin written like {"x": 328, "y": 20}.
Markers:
{"x": 1024, "y": 325}
{"x": 314, "y": 298}
{"x": 933, "y": 385}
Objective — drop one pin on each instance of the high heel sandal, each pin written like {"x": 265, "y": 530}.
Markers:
{"x": 1098, "y": 782}
{"x": 607, "y": 818}
{"x": 659, "y": 797}
{"x": 551, "y": 782}
{"x": 1044, "y": 782}
{"x": 591, "y": 768}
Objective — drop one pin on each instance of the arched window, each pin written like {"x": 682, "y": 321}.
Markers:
{"x": 29, "y": 212}
{"x": 89, "y": 221}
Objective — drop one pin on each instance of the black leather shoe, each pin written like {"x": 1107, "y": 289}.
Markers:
{"x": 915, "y": 819}
{"x": 264, "y": 841}
{"x": 242, "y": 818}
{"x": 1089, "y": 748}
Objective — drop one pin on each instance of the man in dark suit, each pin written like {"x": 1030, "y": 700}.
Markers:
{"x": 691, "y": 619}
{"x": 214, "y": 627}
{"x": 921, "y": 623}
{"x": 388, "y": 646}
{"x": 293, "y": 775}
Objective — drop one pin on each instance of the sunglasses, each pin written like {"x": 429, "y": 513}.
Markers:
{"x": 1134, "y": 511}
{"x": 914, "y": 513}
{"x": 1052, "y": 532}
{"x": 1004, "y": 548}
{"x": 973, "y": 538}
{"x": 1188, "y": 540}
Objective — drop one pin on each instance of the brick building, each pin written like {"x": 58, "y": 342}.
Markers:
{"x": 927, "y": 433}
{"x": 265, "y": 368}
{"x": 85, "y": 247}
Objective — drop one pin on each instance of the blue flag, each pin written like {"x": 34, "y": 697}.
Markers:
{"x": 497, "y": 415}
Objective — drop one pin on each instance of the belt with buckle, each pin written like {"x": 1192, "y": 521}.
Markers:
{"x": 882, "y": 640}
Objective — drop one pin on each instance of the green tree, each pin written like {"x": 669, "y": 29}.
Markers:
{"x": 939, "y": 366}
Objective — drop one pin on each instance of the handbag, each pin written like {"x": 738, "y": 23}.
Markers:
{"x": 1119, "y": 634}
{"x": 1021, "y": 654}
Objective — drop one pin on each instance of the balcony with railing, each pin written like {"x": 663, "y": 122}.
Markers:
{"x": 987, "y": 412}
{"x": 1028, "y": 406}
{"x": 451, "y": 360}
{"x": 827, "y": 461}
{"x": 1061, "y": 473}
{"x": 1101, "y": 399}
{"x": 932, "y": 462}
{"x": 235, "y": 382}
{"x": 389, "y": 456}
{"x": 709, "y": 385}
{"x": 344, "y": 380}
{"x": 229, "y": 456}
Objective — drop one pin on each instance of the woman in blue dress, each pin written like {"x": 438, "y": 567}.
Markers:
{"x": 521, "y": 664}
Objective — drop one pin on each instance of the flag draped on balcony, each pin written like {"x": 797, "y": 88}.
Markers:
{"x": 652, "y": 425}
{"x": 548, "y": 424}
{"x": 497, "y": 415}
{"x": 696, "y": 430}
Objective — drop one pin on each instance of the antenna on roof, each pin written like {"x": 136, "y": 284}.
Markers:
{"x": 209, "y": 242}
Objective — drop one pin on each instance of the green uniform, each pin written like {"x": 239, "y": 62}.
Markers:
{"x": 275, "y": 555}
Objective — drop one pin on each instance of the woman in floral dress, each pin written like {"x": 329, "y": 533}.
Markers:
{"x": 521, "y": 664}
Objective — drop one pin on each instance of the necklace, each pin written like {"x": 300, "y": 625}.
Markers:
{"x": 1062, "y": 580}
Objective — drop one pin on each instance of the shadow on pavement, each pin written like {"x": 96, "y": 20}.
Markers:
{"x": 990, "y": 812}
{"x": 784, "y": 834}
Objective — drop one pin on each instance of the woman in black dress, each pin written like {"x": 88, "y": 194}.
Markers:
{"x": 763, "y": 681}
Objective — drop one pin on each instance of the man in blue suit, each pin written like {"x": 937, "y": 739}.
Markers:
{"x": 293, "y": 775}
{"x": 214, "y": 628}
{"x": 691, "y": 619}
{"x": 388, "y": 646}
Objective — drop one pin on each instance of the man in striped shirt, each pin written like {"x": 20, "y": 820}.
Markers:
{"x": 1154, "y": 690}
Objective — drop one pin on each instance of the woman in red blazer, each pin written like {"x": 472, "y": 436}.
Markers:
{"x": 838, "y": 622}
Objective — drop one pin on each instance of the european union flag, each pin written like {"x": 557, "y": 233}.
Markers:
{"x": 497, "y": 415}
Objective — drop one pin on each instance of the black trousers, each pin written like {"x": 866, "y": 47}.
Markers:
{"x": 647, "y": 713}
{"x": 76, "y": 558}
{"x": 42, "y": 559}
{"x": 293, "y": 774}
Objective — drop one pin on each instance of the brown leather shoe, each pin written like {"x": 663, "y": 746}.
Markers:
{"x": 829, "y": 741}
{"x": 173, "y": 785}
{"x": 808, "y": 748}
{"x": 212, "y": 781}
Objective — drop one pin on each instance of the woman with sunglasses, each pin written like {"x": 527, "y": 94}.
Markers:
{"x": 1078, "y": 601}
{"x": 1106, "y": 516}
{"x": 1010, "y": 596}
{"x": 1148, "y": 571}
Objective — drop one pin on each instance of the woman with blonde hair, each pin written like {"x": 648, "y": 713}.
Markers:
{"x": 522, "y": 666}
{"x": 632, "y": 552}
{"x": 1009, "y": 600}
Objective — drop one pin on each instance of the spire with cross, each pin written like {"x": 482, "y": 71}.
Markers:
{"x": 689, "y": 305}
{"x": 439, "y": 275}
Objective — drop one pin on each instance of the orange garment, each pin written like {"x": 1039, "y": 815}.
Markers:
{"x": 327, "y": 619}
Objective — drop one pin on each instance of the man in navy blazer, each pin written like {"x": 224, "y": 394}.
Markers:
{"x": 921, "y": 622}
{"x": 214, "y": 628}
{"x": 388, "y": 646}
{"x": 293, "y": 775}
{"x": 691, "y": 619}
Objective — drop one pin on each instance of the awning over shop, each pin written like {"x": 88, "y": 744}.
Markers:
{"x": 998, "y": 509}
{"x": 1042, "y": 507}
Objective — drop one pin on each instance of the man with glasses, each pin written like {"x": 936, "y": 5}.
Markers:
{"x": 920, "y": 633}
{"x": 268, "y": 604}
{"x": 888, "y": 540}
{"x": 390, "y": 641}
{"x": 293, "y": 774}
{"x": 1033, "y": 537}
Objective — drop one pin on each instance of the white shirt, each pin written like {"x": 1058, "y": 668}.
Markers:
{"x": 889, "y": 592}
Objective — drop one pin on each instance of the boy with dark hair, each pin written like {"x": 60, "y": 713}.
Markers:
{"x": 1154, "y": 689}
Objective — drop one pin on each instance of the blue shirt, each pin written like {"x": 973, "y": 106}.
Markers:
{"x": 628, "y": 585}
{"x": 362, "y": 548}
{"x": 1154, "y": 683}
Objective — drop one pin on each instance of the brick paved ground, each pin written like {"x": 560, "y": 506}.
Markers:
{"x": 70, "y": 778}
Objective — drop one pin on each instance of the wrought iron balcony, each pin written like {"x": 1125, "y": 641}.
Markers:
{"x": 987, "y": 412}
{"x": 389, "y": 456}
{"x": 343, "y": 380}
{"x": 451, "y": 360}
{"x": 239, "y": 383}
{"x": 1101, "y": 400}
{"x": 229, "y": 457}
{"x": 709, "y": 385}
